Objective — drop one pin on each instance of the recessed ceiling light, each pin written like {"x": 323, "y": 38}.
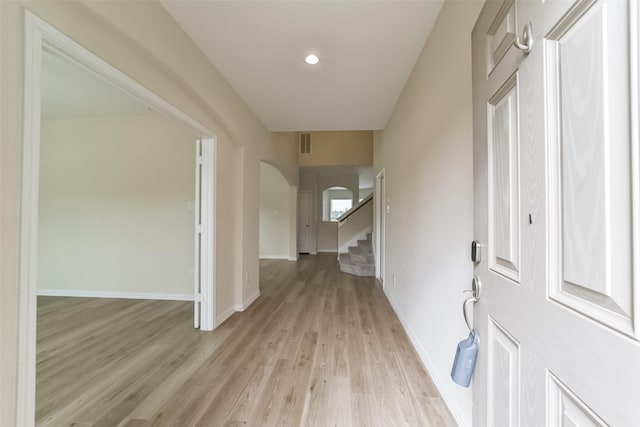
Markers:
{"x": 311, "y": 59}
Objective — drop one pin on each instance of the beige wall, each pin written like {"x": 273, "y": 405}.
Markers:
{"x": 427, "y": 153}
{"x": 327, "y": 236}
{"x": 114, "y": 206}
{"x": 274, "y": 213}
{"x": 339, "y": 148}
{"x": 164, "y": 60}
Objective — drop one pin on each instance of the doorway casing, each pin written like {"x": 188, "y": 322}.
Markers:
{"x": 380, "y": 209}
{"x": 40, "y": 35}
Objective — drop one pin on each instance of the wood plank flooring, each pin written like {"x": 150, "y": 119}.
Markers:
{"x": 318, "y": 348}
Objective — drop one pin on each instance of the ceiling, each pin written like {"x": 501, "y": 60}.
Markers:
{"x": 367, "y": 50}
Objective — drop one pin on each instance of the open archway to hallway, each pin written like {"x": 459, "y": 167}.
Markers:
{"x": 278, "y": 220}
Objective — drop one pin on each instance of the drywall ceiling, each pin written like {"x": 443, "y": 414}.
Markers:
{"x": 367, "y": 50}
{"x": 68, "y": 90}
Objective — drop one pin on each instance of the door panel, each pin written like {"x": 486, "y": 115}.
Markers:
{"x": 566, "y": 409}
{"x": 500, "y": 34}
{"x": 504, "y": 377}
{"x": 504, "y": 177}
{"x": 556, "y": 154}
{"x": 304, "y": 223}
{"x": 590, "y": 164}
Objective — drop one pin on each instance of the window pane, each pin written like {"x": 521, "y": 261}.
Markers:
{"x": 338, "y": 207}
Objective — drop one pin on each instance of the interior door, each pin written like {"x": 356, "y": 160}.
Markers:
{"x": 556, "y": 153}
{"x": 204, "y": 269}
{"x": 197, "y": 275}
{"x": 304, "y": 224}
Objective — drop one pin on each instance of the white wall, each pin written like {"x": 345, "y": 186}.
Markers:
{"x": 327, "y": 236}
{"x": 114, "y": 215}
{"x": 275, "y": 211}
{"x": 364, "y": 192}
{"x": 426, "y": 150}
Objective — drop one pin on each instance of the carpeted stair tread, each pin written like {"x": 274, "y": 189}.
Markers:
{"x": 359, "y": 260}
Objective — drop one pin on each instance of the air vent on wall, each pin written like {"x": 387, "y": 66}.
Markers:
{"x": 305, "y": 143}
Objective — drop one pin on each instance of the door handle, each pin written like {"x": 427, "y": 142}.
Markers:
{"x": 476, "y": 287}
{"x": 526, "y": 43}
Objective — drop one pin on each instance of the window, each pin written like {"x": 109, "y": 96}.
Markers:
{"x": 335, "y": 202}
{"x": 338, "y": 207}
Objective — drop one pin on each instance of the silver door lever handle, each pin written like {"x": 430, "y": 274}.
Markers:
{"x": 464, "y": 311}
{"x": 526, "y": 43}
{"x": 475, "y": 297}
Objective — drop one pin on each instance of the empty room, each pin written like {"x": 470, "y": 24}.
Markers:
{"x": 319, "y": 213}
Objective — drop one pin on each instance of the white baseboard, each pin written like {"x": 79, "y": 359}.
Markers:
{"x": 248, "y": 301}
{"x": 274, "y": 256}
{"x": 123, "y": 295}
{"x": 428, "y": 365}
{"x": 224, "y": 316}
{"x": 328, "y": 251}
{"x": 293, "y": 258}
{"x": 238, "y": 307}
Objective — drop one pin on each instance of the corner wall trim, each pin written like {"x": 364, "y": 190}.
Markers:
{"x": 248, "y": 301}
{"x": 274, "y": 256}
{"x": 428, "y": 364}
{"x": 121, "y": 295}
{"x": 238, "y": 307}
{"x": 224, "y": 316}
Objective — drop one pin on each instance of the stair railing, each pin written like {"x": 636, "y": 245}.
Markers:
{"x": 342, "y": 219}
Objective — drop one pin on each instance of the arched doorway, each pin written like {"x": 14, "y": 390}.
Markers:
{"x": 278, "y": 200}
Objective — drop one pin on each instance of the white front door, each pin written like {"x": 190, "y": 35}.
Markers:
{"x": 557, "y": 209}
{"x": 304, "y": 223}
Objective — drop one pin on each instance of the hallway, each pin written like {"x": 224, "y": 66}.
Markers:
{"x": 318, "y": 347}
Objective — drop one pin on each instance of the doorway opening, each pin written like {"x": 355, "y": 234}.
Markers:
{"x": 278, "y": 214}
{"x": 41, "y": 40}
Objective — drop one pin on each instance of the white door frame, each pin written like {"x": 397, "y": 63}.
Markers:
{"x": 204, "y": 255}
{"x": 300, "y": 231}
{"x": 293, "y": 223}
{"x": 380, "y": 225}
{"x": 38, "y": 36}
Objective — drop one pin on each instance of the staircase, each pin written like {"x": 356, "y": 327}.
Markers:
{"x": 359, "y": 260}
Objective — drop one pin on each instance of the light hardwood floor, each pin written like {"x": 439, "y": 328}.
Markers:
{"x": 318, "y": 348}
